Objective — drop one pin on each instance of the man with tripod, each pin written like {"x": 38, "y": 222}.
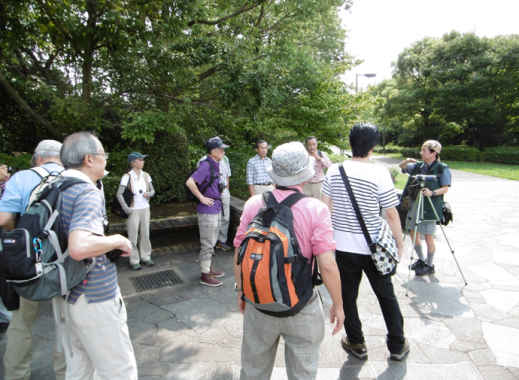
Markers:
{"x": 437, "y": 179}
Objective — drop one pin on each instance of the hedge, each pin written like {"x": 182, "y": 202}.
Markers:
{"x": 503, "y": 155}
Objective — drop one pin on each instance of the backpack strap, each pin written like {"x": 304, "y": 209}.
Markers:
{"x": 41, "y": 171}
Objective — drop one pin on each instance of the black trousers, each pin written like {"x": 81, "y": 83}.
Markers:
{"x": 351, "y": 266}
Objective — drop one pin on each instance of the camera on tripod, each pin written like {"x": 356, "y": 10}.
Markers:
{"x": 421, "y": 180}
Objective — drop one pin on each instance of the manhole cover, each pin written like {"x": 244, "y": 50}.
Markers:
{"x": 155, "y": 280}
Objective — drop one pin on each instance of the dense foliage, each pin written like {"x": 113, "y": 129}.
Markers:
{"x": 162, "y": 76}
{"x": 459, "y": 89}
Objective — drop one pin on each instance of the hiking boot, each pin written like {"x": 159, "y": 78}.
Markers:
{"x": 208, "y": 280}
{"x": 223, "y": 246}
{"x": 135, "y": 266}
{"x": 216, "y": 274}
{"x": 358, "y": 350}
{"x": 425, "y": 270}
{"x": 148, "y": 263}
{"x": 417, "y": 264}
{"x": 399, "y": 356}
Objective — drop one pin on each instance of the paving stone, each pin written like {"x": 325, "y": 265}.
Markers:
{"x": 483, "y": 357}
{"x": 503, "y": 343}
{"x": 496, "y": 373}
{"x": 501, "y": 300}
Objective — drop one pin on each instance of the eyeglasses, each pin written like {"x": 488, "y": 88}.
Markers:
{"x": 99, "y": 154}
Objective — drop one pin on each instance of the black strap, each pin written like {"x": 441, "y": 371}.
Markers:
{"x": 356, "y": 208}
{"x": 211, "y": 180}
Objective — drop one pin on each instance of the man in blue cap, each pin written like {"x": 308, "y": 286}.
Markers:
{"x": 204, "y": 185}
{"x": 138, "y": 223}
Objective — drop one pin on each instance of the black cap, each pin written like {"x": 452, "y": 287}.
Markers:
{"x": 215, "y": 142}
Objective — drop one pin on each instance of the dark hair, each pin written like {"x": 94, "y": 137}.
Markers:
{"x": 259, "y": 142}
{"x": 363, "y": 138}
{"x": 310, "y": 138}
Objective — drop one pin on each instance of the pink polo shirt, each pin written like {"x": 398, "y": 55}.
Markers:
{"x": 312, "y": 223}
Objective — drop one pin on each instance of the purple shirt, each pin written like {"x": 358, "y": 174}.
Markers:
{"x": 202, "y": 176}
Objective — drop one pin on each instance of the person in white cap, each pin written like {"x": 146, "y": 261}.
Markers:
{"x": 304, "y": 331}
{"x": 18, "y": 354}
{"x": 138, "y": 223}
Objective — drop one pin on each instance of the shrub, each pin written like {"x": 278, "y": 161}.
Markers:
{"x": 504, "y": 155}
{"x": 460, "y": 153}
{"x": 16, "y": 161}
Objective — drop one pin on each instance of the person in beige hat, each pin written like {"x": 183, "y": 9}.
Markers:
{"x": 435, "y": 189}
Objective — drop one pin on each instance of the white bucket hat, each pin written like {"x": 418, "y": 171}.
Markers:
{"x": 291, "y": 165}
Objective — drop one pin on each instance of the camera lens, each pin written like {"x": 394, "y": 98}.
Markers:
{"x": 140, "y": 191}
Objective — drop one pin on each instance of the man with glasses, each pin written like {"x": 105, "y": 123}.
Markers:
{"x": 96, "y": 336}
{"x": 18, "y": 354}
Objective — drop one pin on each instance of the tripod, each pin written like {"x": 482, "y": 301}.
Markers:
{"x": 418, "y": 218}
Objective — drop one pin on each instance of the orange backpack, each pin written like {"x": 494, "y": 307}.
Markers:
{"x": 276, "y": 278}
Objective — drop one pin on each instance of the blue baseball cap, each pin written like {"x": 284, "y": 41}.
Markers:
{"x": 215, "y": 142}
{"x": 136, "y": 155}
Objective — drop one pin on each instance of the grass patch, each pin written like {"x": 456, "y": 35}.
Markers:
{"x": 487, "y": 168}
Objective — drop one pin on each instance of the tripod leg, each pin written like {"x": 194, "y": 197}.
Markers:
{"x": 448, "y": 242}
{"x": 416, "y": 221}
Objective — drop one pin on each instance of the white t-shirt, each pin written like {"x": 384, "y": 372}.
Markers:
{"x": 373, "y": 190}
{"x": 138, "y": 187}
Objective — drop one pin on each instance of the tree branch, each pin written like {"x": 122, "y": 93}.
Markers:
{"x": 243, "y": 9}
{"x": 11, "y": 91}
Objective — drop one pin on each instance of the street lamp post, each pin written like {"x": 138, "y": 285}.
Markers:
{"x": 367, "y": 75}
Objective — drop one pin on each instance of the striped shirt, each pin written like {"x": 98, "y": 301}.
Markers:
{"x": 373, "y": 190}
{"x": 83, "y": 208}
{"x": 257, "y": 170}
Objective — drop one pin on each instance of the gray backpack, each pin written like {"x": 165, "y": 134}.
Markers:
{"x": 34, "y": 259}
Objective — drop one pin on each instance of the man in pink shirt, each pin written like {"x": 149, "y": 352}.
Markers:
{"x": 304, "y": 331}
{"x": 313, "y": 186}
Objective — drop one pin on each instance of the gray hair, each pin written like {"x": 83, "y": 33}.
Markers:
{"x": 76, "y": 147}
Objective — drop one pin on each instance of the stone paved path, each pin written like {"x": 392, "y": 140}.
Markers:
{"x": 456, "y": 332}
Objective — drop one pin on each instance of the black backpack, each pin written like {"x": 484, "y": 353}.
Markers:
{"x": 116, "y": 207}
{"x": 34, "y": 259}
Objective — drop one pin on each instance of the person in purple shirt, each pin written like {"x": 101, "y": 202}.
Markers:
{"x": 204, "y": 185}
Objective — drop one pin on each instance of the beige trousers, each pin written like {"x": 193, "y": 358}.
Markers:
{"x": 313, "y": 189}
{"x": 302, "y": 334}
{"x": 260, "y": 189}
{"x": 138, "y": 225}
{"x": 208, "y": 229}
{"x": 18, "y": 354}
{"x": 101, "y": 348}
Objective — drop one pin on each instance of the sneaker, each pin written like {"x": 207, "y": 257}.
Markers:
{"x": 223, "y": 246}
{"x": 216, "y": 274}
{"x": 358, "y": 350}
{"x": 208, "y": 280}
{"x": 135, "y": 266}
{"x": 417, "y": 264}
{"x": 425, "y": 270}
{"x": 399, "y": 356}
{"x": 148, "y": 263}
